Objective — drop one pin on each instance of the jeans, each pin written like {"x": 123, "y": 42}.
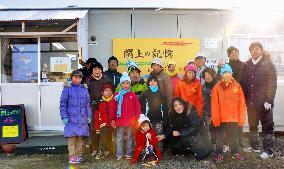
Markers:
{"x": 128, "y": 132}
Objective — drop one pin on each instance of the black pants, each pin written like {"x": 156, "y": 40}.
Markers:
{"x": 105, "y": 139}
{"x": 266, "y": 119}
{"x": 232, "y": 136}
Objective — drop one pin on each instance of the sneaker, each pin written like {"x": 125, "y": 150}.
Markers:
{"x": 238, "y": 157}
{"x": 265, "y": 155}
{"x": 94, "y": 153}
{"x": 226, "y": 148}
{"x": 100, "y": 156}
{"x": 128, "y": 157}
{"x": 73, "y": 160}
{"x": 250, "y": 149}
{"x": 80, "y": 159}
{"x": 106, "y": 153}
{"x": 118, "y": 158}
{"x": 218, "y": 158}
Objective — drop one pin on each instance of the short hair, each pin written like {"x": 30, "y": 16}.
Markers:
{"x": 255, "y": 44}
{"x": 231, "y": 49}
{"x": 112, "y": 58}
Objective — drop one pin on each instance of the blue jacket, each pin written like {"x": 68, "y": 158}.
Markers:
{"x": 75, "y": 105}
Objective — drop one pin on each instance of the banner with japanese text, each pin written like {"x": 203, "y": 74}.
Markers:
{"x": 143, "y": 50}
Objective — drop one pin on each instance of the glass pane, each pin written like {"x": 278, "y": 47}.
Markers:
{"x": 19, "y": 60}
{"x": 59, "y": 56}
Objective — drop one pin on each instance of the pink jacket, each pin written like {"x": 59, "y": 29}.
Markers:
{"x": 174, "y": 80}
{"x": 131, "y": 110}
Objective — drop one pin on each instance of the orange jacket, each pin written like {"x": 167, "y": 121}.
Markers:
{"x": 228, "y": 105}
{"x": 191, "y": 92}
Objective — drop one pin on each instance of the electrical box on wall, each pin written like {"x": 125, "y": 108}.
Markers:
{"x": 93, "y": 43}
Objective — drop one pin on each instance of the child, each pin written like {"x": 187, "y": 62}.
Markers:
{"x": 125, "y": 110}
{"x": 228, "y": 111}
{"x": 102, "y": 121}
{"x": 174, "y": 77}
{"x": 190, "y": 89}
{"x": 154, "y": 106}
{"x": 146, "y": 142}
{"x": 75, "y": 112}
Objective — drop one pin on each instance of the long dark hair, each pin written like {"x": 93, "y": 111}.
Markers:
{"x": 183, "y": 102}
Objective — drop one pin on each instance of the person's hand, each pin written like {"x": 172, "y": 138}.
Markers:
{"x": 65, "y": 121}
{"x": 148, "y": 136}
{"x": 267, "y": 106}
{"x": 112, "y": 124}
{"x": 176, "y": 133}
{"x": 160, "y": 137}
{"x": 89, "y": 120}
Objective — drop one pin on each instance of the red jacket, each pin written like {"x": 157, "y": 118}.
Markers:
{"x": 130, "y": 110}
{"x": 140, "y": 138}
{"x": 102, "y": 115}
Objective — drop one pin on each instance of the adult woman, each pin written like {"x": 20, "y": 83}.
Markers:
{"x": 185, "y": 132}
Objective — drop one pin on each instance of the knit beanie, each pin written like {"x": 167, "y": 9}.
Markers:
{"x": 190, "y": 67}
{"x": 125, "y": 77}
{"x": 226, "y": 68}
{"x": 132, "y": 66}
{"x": 142, "y": 118}
{"x": 107, "y": 85}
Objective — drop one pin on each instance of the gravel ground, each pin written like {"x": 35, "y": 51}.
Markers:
{"x": 169, "y": 162}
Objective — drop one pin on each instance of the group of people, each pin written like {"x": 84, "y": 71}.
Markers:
{"x": 189, "y": 114}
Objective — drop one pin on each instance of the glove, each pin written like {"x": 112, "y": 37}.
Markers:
{"x": 65, "y": 121}
{"x": 267, "y": 106}
{"x": 89, "y": 120}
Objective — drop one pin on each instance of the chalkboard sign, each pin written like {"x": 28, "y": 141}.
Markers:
{"x": 13, "y": 127}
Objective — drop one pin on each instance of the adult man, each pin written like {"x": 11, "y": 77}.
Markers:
{"x": 259, "y": 85}
{"x": 112, "y": 74}
{"x": 138, "y": 85}
{"x": 164, "y": 80}
{"x": 86, "y": 69}
{"x": 199, "y": 62}
{"x": 235, "y": 63}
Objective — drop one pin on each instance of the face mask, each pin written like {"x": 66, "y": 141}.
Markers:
{"x": 154, "y": 89}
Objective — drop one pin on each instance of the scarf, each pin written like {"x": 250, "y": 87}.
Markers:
{"x": 119, "y": 99}
{"x": 107, "y": 99}
{"x": 226, "y": 83}
{"x": 172, "y": 74}
{"x": 98, "y": 78}
{"x": 154, "y": 89}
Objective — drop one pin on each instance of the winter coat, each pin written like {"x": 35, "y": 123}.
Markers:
{"x": 206, "y": 90}
{"x": 140, "y": 140}
{"x": 165, "y": 86}
{"x": 95, "y": 89}
{"x": 238, "y": 69}
{"x": 86, "y": 73}
{"x": 102, "y": 116}
{"x": 259, "y": 82}
{"x": 228, "y": 105}
{"x": 156, "y": 103}
{"x": 75, "y": 105}
{"x": 174, "y": 80}
{"x": 194, "y": 136}
{"x": 138, "y": 87}
{"x": 192, "y": 93}
{"x": 130, "y": 110}
{"x": 113, "y": 76}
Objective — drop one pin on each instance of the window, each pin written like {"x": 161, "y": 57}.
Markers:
{"x": 19, "y": 60}
{"x": 59, "y": 56}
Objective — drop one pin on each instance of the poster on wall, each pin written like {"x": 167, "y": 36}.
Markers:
{"x": 143, "y": 50}
{"x": 60, "y": 64}
{"x": 24, "y": 67}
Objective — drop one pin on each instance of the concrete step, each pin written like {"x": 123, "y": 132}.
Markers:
{"x": 56, "y": 144}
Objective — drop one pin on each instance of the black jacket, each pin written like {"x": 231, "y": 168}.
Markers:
{"x": 156, "y": 103}
{"x": 113, "y": 76}
{"x": 238, "y": 68}
{"x": 259, "y": 82}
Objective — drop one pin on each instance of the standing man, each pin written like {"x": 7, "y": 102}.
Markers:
{"x": 199, "y": 62}
{"x": 112, "y": 75}
{"x": 235, "y": 63}
{"x": 259, "y": 85}
{"x": 86, "y": 69}
{"x": 164, "y": 80}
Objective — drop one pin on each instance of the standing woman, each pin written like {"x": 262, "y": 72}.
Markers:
{"x": 210, "y": 77}
{"x": 190, "y": 89}
{"x": 185, "y": 132}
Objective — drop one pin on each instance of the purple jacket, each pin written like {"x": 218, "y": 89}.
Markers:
{"x": 75, "y": 105}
